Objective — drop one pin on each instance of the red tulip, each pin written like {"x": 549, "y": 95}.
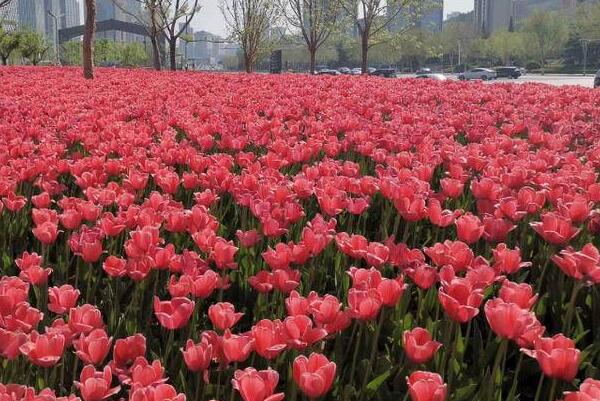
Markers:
{"x": 426, "y": 386}
{"x": 115, "y": 266}
{"x": 507, "y": 320}
{"x": 63, "y": 298}
{"x": 314, "y": 375}
{"x": 469, "y": 228}
{"x": 557, "y": 357}
{"x": 325, "y": 310}
{"x": 520, "y": 294}
{"x": 460, "y": 300}
{"x": 93, "y": 348}
{"x": 43, "y": 349}
{"x": 197, "y": 357}
{"x": 248, "y": 238}
{"x": 589, "y": 390}
{"x": 582, "y": 265}
{"x": 390, "y": 291}
{"x": 508, "y": 261}
{"x": 223, "y": 315}
{"x": 204, "y": 284}
{"x": 85, "y": 318}
{"x": 128, "y": 349}
{"x": 95, "y": 386}
{"x": 10, "y": 342}
{"x": 145, "y": 374}
{"x": 46, "y": 233}
{"x": 257, "y": 385}
{"x": 419, "y": 346}
{"x": 160, "y": 392}
{"x": 555, "y": 229}
{"x": 268, "y": 338}
{"x": 236, "y": 348}
{"x": 173, "y": 314}
{"x": 364, "y": 305}
{"x": 298, "y": 332}
{"x": 23, "y": 318}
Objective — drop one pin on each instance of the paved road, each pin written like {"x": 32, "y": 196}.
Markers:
{"x": 557, "y": 80}
{"x": 550, "y": 79}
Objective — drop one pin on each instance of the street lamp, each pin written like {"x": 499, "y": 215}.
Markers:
{"x": 56, "y": 48}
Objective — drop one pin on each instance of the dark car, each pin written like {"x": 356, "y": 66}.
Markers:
{"x": 508, "y": 72}
{"x": 597, "y": 79}
{"x": 327, "y": 71}
{"x": 424, "y": 71}
{"x": 384, "y": 72}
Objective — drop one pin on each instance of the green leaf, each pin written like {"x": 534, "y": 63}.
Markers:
{"x": 465, "y": 393}
{"x": 378, "y": 381}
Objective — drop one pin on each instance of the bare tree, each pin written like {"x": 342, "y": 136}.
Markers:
{"x": 372, "y": 17}
{"x": 171, "y": 12}
{"x": 150, "y": 19}
{"x": 88, "y": 39}
{"x": 315, "y": 19}
{"x": 249, "y": 22}
{"x": 4, "y": 3}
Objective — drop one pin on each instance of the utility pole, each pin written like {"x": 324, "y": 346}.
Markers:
{"x": 584, "y": 47}
{"x": 56, "y": 47}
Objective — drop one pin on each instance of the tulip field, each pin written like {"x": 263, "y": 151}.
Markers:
{"x": 194, "y": 236}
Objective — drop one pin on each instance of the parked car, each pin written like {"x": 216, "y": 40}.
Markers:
{"x": 384, "y": 72}
{"x": 597, "y": 79}
{"x": 423, "y": 71}
{"x": 327, "y": 71}
{"x": 508, "y": 72}
{"x": 356, "y": 71}
{"x": 371, "y": 70}
{"x": 344, "y": 70}
{"x": 434, "y": 76}
{"x": 478, "y": 73}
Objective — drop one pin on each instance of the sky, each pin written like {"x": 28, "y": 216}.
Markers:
{"x": 210, "y": 18}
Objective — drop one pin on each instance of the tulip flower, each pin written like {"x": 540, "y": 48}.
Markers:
{"x": 62, "y": 299}
{"x": 43, "y": 350}
{"x": 256, "y": 385}
{"x": 313, "y": 375}
{"x": 173, "y": 314}
{"x": 93, "y": 348}
{"x": 197, "y": 357}
{"x": 419, "y": 346}
{"x": 555, "y": 229}
{"x": 223, "y": 315}
{"x": 557, "y": 356}
{"x": 426, "y": 386}
{"x": 460, "y": 300}
{"x": 95, "y": 386}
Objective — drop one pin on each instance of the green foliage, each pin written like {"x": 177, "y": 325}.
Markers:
{"x": 71, "y": 52}
{"x": 32, "y": 46}
{"x": 132, "y": 54}
{"x": 548, "y": 33}
{"x": 9, "y": 42}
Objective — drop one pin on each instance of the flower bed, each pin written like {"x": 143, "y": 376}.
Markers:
{"x": 173, "y": 235}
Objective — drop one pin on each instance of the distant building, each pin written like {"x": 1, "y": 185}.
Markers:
{"x": 35, "y": 15}
{"x": 128, "y": 11}
{"x": 491, "y": 16}
{"x": 430, "y": 19}
{"x": 31, "y": 15}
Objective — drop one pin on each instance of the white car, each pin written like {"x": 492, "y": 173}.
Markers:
{"x": 478, "y": 73}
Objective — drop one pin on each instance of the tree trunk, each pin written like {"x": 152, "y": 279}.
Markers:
{"x": 88, "y": 39}
{"x": 4, "y": 60}
{"x": 155, "y": 52}
{"x": 364, "y": 50}
{"x": 313, "y": 57}
{"x": 172, "y": 53}
{"x": 248, "y": 63}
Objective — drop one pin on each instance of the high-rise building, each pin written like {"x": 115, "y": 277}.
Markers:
{"x": 430, "y": 19}
{"x": 127, "y": 10}
{"x": 31, "y": 15}
{"x": 494, "y": 15}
